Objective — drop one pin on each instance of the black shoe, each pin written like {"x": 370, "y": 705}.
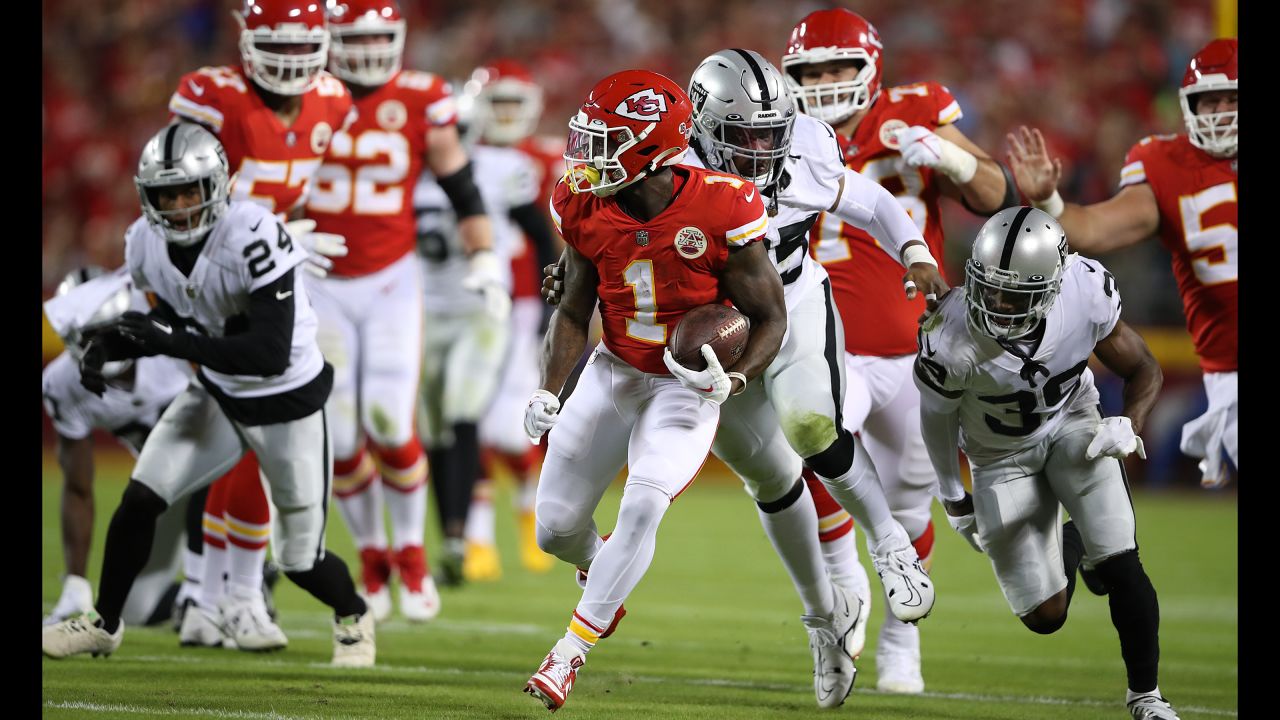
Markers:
{"x": 270, "y": 576}
{"x": 449, "y": 566}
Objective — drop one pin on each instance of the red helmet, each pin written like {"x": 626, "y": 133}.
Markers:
{"x": 283, "y": 22}
{"x": 506, "y": 102}
{"x": 827, "y": 35}
{"x": 631, "y": 124}
{"x": 1212, "y": 69}
{"x": 367, "y": 64}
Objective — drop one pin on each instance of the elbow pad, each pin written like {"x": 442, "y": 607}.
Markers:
{"x": 1011, "y": 197}
{"x": 463, "y": 193}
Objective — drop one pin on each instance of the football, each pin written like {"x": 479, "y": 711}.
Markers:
{"x": 720, "y": 326}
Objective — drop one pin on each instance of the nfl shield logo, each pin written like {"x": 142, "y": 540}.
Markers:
{"x": 191, "y": 291}
{"x": 642, "y": 238}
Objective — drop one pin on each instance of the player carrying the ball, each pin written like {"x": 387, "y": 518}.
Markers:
{"x": 649, "y": 240}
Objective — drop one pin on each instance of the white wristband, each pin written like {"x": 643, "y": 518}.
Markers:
{"x": 741, "y": 377}
{"x": 917, "y": 253}
{"x": 1053, "y": 205}
{"x": 959, "y": 164}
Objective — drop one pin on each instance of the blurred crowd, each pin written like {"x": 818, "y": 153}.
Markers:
{"x": 1094, "y": 75}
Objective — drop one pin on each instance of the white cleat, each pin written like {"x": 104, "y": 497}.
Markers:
{"x": 203, "y": 628}
{"x": 250, "y": 627}
{"x": 1151, "y": 707}
{"x": 76, "y": 599}
{"x": 379, "y": 603}
{"x": 829, "y": 640}
{"x": 353, "y": 641}
{"x": 907, "y": 587}
{"x": 556, "y": 676}
{"x": 420, "y": 606}
{"x": 861, "y": 588}
{"x": 78, "y": 635}
{"x": 898, "y": 658}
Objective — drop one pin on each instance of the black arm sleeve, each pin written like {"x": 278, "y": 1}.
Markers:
{"x": 463, "y": 193}
{"x": 1011, "y": 196}
{"x": 534, "y": 224}
{"x": 258, "y": 344}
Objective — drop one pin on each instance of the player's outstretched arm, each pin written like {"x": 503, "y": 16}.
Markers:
{"x": 751, "y": 282}
{"x": 1126, "y": 354}
{"x": 75, "y": 458}
{"x": 1127, "y": 218}
{"x": 989, "y": 189}
{"x": 566, "y": 337}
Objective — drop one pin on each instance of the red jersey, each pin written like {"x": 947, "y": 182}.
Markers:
{"x": 548, "y": 156}
{"x": 862, "y": 275}
{"x": 652, "y": 273}
{"x": 272, "y": 164}
{"x": 364, "y": 190}
{"x": 1197, "y": 196}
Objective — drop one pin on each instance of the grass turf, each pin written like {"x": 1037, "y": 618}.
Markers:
{"x": 713, "y": 631}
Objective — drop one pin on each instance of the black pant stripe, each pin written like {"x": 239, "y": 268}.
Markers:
{"x": 328, "y": 486}
{"x": 834, "y": 355}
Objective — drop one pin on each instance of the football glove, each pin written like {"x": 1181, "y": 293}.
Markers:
{"x": 485, "y": 277}
{"x": 711, "y": 384}
{"x": 319, "y": 246}
{"x": 966, "y": 525}
{"x": 153, "y": 336}
{"x": 1114, "y": 437}
{"x": 541, "y": 414}
{"x": 91, "y": 364}
{"x": 921, "y": 147}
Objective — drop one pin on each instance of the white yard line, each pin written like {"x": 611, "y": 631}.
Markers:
{"x": 177, "y": 712}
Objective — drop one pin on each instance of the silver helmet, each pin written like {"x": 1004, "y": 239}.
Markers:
{"x": 1014, "y": 272}
{"x": 742, "y": 115}
{"x": 112, "y": 307}
{"x": 183, "y": 154}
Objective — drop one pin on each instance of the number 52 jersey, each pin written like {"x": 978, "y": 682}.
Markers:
{"x": 1006, "y": 404}
{"x": 247, "y": 249}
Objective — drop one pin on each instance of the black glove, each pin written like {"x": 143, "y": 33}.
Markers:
{"x": 152, "y": 336}
{"x": 91, "y": 377}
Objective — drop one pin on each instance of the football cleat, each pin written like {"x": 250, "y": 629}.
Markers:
{"x": 76, "y": 599}
{"x": 898, "y": 658}
{"x": 861, "y": 587}
{"x": 554, "y": 679}
{"x": 452, "y": 555}
{"x": 187, "y": 595}
{"x": 203, "y": 628}
{"x": 353, "y": 641}
{"x": 531, "y": 556}
{"x": 249, "y": 626}
{"x": 833, "y": 670}
{"x": 1151, "y": 707}
{"x": 481, "y": 562}
{"x": 907, "y": 586}
{"x": 420, "y": 606}
{"x": 78, "y": 635}
{"x": 270, "y": 577}
{"x": 379, "y": 603}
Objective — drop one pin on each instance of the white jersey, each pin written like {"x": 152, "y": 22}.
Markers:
{"x": 810, "y": 185}
{"x": 1007, "y": 405}
{"x": 247, "y": 249}
{"x": 507, "y": 179}
{"x": 129, "y": 414}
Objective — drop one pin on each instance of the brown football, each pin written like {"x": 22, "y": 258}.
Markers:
{"x": 720, "y": 326}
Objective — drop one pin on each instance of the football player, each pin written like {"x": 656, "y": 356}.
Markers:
{"x": 228, "y": 299}
{"x": 648, "y": 239}
{"x": 1003, "y": 373}
{"x": 506, "y": 107}
{"x": 275, "y": 116}
{"x": 905, "y": 139}
{"x": 1184, "y": 188}
{"x": 370, "y": 306}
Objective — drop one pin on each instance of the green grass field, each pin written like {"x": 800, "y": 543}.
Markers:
{"x": 713, "y": 631}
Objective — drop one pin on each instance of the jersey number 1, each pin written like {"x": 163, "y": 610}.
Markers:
{"x": 644, "y": 326}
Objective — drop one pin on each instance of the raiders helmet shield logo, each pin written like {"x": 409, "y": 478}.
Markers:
{"x": 889, "y": 133}
{"x": 691, "y": 243}
{"x": 645, "y": 105}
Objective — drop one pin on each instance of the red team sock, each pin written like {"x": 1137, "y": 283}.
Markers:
{"x": 248, "y": 523}
{"x": 404, "y": 473}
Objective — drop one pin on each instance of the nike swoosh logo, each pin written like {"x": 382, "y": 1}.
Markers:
{"x": 929, "y": 348}
{"x": 195, "y": 88}
{"x": 752, "y": 196}
{"x": 706, "y": 389}
{"x": 163, "y": 328}
{"x": 283, "y": 295}
{"x": 255, "y": 226}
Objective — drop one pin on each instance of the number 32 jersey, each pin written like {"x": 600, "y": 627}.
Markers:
{"x": 651, "y": 273}
{"x": 247, "y": 249}
{"x": 1007, "y": 405}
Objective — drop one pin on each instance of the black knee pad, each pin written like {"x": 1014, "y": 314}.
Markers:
{"x": 139, "y": 498}
{"x": 836, "y": 459}
{"x": 1121, "y": 569}
{"x": 786, "y": 500}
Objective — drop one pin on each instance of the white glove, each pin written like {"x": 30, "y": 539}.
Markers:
{"x": 541, "y": 414}
{"x": 319, "y": 246}
{"x": 484, "y": 275}
{"x": 967, "y": 526}
{"x": 1203, "y": 438}
{"x": 921, "y": 147}
{"x": 1114, "y": 438}
{"x": 711, "y": 384}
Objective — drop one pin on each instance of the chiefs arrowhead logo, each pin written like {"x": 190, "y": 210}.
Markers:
{"x": 643, "y": 105}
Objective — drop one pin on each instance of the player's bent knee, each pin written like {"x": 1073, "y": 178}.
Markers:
{"x": 141, "y": 499}
{"x": 773, "y": 489}
{"x": 643, "y": 505}
{"x": 1121, "y": 569}
{"x": 1049, "y": 616}
{"x": 836, "y": 459}
{"x": 810, "y": 433}
{"x": 559, "y": 520}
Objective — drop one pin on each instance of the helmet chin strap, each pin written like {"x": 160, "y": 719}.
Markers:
{"x": 1030, "y": 367}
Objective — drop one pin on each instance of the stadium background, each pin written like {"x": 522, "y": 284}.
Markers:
{"x": 1094, "y": 75}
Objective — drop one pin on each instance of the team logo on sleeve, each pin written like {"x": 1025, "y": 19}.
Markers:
{"x": 321, "y": 134}
{"x": 691, "y": 243}
{"x": 645, "y": 105}
{"x": 391, "y": 115}
{"x": 889, "y": 133}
